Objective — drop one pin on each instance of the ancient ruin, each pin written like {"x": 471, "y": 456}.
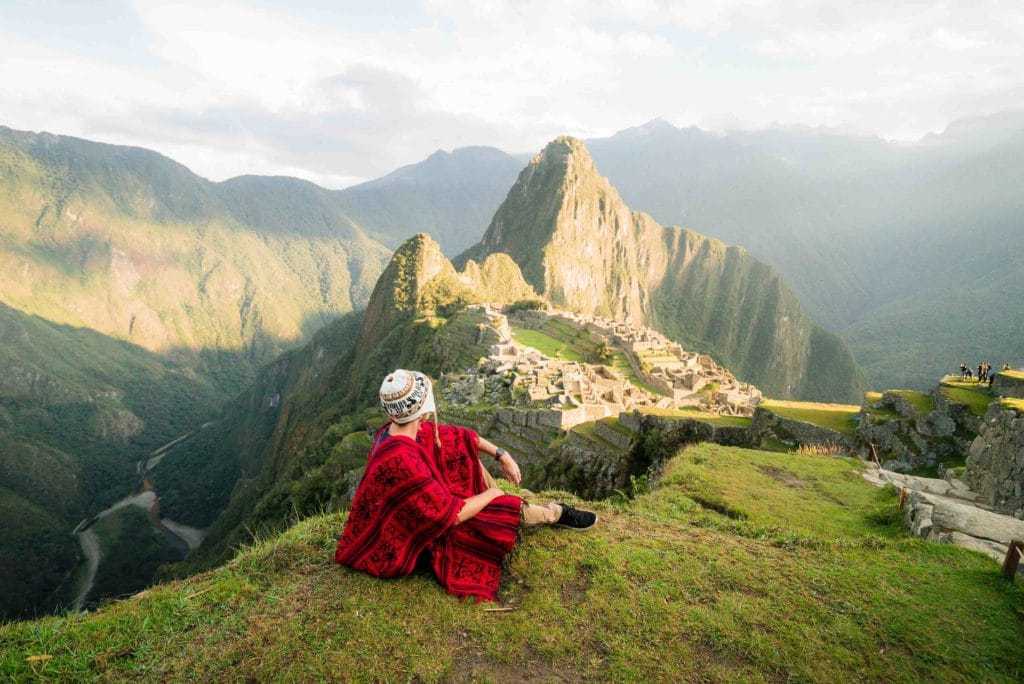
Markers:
{"x": 664, "y": 375}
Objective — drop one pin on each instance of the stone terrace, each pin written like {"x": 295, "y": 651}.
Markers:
{"x": 575, "y": 392}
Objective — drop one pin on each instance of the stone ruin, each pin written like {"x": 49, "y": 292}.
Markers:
{"x": 687, "y": 378}
{"x": 513, "y": 374}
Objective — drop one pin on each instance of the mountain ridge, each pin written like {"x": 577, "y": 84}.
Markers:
{"x": 581, "y": 246}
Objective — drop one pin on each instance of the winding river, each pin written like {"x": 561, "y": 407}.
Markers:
{"x": 187, "y": 538}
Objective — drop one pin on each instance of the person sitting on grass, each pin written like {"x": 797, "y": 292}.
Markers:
{"x": 426, "y": 499}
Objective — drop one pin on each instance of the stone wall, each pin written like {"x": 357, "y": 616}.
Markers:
{"x": 947, "y": 511}
{"x": 907, "y": 439}
{"x": 681, "y": 430}
{"x": 768, "y": 425}
{"x": 995, "y": 463}
{"x": 617, "y": 438}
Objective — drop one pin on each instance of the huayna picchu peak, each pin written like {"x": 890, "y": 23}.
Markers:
{"x": 581, "y": 247}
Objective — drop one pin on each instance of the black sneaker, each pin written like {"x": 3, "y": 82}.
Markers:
{"x": 576, "y": 519}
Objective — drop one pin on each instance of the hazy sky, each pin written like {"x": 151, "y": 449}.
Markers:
{"x": 337, "y": 91}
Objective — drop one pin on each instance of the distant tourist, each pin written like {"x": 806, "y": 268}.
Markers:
{"x": 1006, "y": 366}
{"x": 426, "y": 499}
{"x": 963, "y": 372}
{"x": 968, "y": 374}
{"x": 991, "y": 379}
{"x": 981, "y": 372}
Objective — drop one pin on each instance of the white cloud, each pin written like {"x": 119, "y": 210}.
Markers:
{"x": 338, "y": 94}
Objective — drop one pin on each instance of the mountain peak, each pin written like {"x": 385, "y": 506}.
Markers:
{"x": 400, "y": 287}
{"x": 567, "y": 228}
{"x": 564, "y": 150}
{"x": 581, "y": 247}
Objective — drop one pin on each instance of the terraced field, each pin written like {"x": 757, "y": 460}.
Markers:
{"x": 838, "y": 417}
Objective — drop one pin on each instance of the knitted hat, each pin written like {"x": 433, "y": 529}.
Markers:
{"x": 406, "y": 396}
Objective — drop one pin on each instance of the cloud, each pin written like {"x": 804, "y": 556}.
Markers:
{"x": 338, "y": 94}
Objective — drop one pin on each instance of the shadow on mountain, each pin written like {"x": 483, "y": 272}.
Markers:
{"x": 78, "y": 410}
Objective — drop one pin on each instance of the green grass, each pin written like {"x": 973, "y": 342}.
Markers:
{"x": 922, "y": 402}
{"x": 697, "y": 414}
{"x": 1010, "y": 402}
{"x": 560, "y": 340}
{"x": 840, "y": 418}
{"x": 739, "y": 566}
{"x": 547, "y": 345}
{"x": 975, "y": 396}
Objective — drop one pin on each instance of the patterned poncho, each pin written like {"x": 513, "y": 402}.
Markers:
{"x": 408, "y": 503}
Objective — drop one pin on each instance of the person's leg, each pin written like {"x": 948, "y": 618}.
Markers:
{"x": 547, "y": 514}
{"x": 488, "y": 478}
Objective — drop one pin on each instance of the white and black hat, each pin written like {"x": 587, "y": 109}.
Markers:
{"x": 407, "y": 395}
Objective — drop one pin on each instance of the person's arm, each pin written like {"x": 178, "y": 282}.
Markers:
{"x": 487, "y": 447}
{"x": 475, "y": 504}
{"x": 508, "y": 464}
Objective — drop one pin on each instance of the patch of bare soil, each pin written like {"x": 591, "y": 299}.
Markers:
{"x": 783, "y": 476}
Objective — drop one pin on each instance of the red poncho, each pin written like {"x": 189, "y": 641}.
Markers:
{"x": 408, "y": 502}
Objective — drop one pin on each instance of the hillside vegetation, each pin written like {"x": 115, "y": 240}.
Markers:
{"x": 136, "y": 298}
{"x": 739, "y": 565}
{"x": 219, "y": 276}
{"x": 77, "y": 410}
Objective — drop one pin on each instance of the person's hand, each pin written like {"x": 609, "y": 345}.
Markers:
{"x": 511, "y": 469}
{"x": 495, "y": 492}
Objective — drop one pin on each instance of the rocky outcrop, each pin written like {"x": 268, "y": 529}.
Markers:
{"x": 1009, "y": 384}
{"x": 995, "y": 463}
{"x": 579, "y": 245}
{"x": 947, "y": 511}
{"x": 909, "y": 434}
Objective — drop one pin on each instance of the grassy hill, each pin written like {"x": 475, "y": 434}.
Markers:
{"x": 739, "y": 565}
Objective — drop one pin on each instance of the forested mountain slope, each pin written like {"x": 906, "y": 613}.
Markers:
{"x": 578, "y": 244}
{"x": 136, "y": 297}
{"x": 449, "y": 195}
{"x": 77, "y": 410}
{"x": 911, "y": 252}
{"x": 221, "y": 276}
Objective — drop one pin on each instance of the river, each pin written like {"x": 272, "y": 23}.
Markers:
{"x": 187, "y": 538}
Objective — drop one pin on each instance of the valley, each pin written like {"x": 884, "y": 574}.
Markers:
{"x": 191, "y": 386}
{"x": 183, "y": 537}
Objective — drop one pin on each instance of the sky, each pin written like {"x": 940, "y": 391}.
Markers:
{"x": 338, "y": 92}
